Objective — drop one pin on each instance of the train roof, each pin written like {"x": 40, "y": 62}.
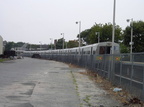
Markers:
{"x": 101, "y": 43}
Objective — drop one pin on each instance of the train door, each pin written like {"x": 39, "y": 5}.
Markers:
{"x": 82, "y": 51}
{"x": 108, "y": 49}
{"x": 91, "y": 51}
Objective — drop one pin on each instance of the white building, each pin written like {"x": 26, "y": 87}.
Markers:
{"x": 1, "y": 45}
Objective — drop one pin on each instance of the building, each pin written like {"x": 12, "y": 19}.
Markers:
{"x": 1, "y": 45}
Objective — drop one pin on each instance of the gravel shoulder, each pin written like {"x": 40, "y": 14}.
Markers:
{"x": 95, "y": 91}
{"x": 90, "y": 93}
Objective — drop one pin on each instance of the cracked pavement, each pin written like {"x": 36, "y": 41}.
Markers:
{"x": 43, "y": 83}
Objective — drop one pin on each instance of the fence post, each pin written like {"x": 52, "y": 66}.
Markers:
{"x": 110, "y": 66}
{"x": 112, "y": 69}
{"x": 120, "y": 68}
{"x": 132, "y": 58}
{"x": 143, "y": 86}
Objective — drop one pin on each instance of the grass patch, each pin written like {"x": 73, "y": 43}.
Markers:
{"x": 74, "y": 81}
{"x": 2, "y": 60}
{"x": 87, "y": 99}
{"x": 76, "y": 86}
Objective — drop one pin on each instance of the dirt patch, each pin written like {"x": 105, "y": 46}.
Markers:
{"x": 73, "y": 66}
{"x": 123, "y": 97}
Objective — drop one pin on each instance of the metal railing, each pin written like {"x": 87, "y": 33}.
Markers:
{"x": 117, "y": 68}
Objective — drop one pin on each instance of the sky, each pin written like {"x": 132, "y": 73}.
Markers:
{"x": 36, "y": 21}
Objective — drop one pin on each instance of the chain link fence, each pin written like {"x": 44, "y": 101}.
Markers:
{"x": 119, "y": 69}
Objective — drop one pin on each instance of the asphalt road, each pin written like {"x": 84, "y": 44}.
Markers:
{"x": 36, "y": 83}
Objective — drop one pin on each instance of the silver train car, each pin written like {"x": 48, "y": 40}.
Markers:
{"x": 1, "y": 45}
{"x": 94, "y": 49}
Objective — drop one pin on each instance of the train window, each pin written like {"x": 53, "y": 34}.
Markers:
{"x": 105, "y": 50}
{"x": 94, "y": 52}
{"x": 102, "y": 50}
{"x": 88, "y": 52}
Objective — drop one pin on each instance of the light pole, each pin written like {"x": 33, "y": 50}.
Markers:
{"x": 112, "y": 51}
{"x": 51, "y": 43}
{"x": 79, "y": 22}
{"x": 131, "y": 42}
{"x": 63, "y": 40}
{"x": 98, "y": 33}
{"x": 113, "y": 29}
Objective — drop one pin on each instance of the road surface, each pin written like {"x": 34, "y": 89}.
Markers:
{"x": 42, "y": 83}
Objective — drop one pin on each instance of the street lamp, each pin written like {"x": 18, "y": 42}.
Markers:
{"x": 131, "y": 25}
{"x": 131, "y": 43}
{"x": 79, "y": 34}
{"x": 98, "y": 33}
{"x": 113, "y": 29}
{"x": 113, "y": 35}
{"x": 63, "y": 39}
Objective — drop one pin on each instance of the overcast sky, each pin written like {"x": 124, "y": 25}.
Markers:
{"x": 35, "y": 21}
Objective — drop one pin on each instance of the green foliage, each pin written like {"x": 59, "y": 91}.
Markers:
{"x": 72, "y": 43}
{"x": 19, "y": 44}
{"x": 9, "y": 45}
{"x": 123, "y": 48}
{"x": 84, "y": 34}
{"x": 138, "y": 36}
{"x": 2, "y": 60}
{"x": 59, "y": 43}
{"x": 90, "y": 36}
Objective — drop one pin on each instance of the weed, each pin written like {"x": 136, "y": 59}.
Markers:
{"x": 87, "y": 99}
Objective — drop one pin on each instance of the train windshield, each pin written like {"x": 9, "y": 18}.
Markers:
{"x": 104, "y": 49}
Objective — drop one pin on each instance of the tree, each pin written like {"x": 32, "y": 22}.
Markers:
{"x": 90, "y": 36}
{"x": 59, "y": 43}
{"x": 138, "y": 36}
{"x": 19, "y": 44}
{"x": 9, "y": 46}
{"x": 123, "y": 48}
{"x": 72, "y": 44}
{"x": 85, "y": 35}
{"x": 93, "y": 37}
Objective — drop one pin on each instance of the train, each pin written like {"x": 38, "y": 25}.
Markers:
{"x": 93, "y": 49}
{"x": 1, "y": 45}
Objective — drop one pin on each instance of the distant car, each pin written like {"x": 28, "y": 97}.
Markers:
{"x": 36, "y": 56}
{"x": 19, "y": 57}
